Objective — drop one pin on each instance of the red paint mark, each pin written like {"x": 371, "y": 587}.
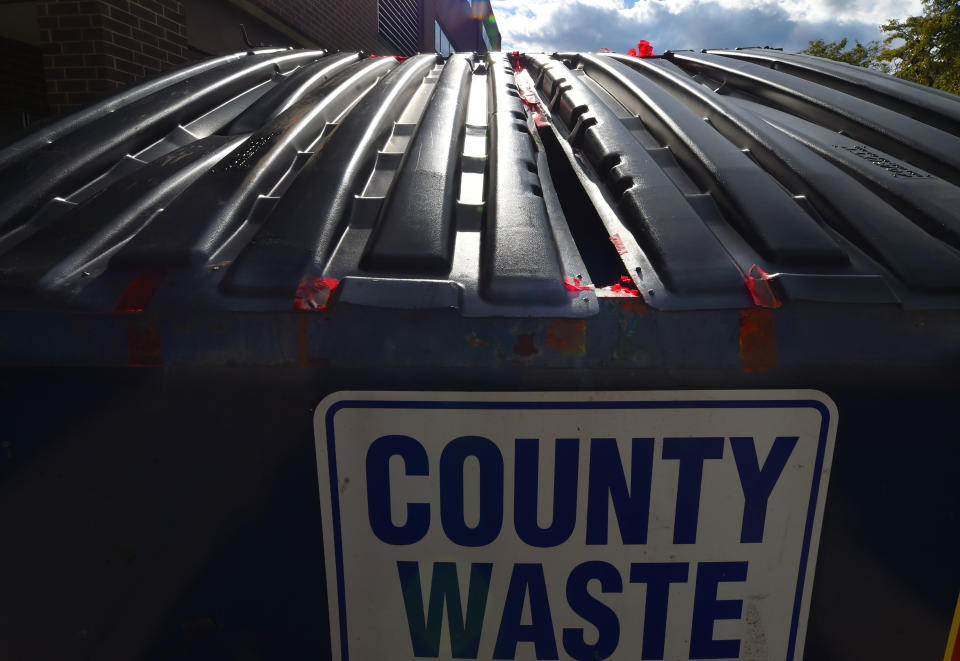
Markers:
{"x": 573, "y": 284}
{"x": 475, "y": 341}
{"x": 144, "y": 347}
{"x": 568, "y": 336}
{"x": 618, "y": 244}
{"x": 761, "y": 288}
{"x": 314, "y": 294}
{"x": 623, "y": 288}
{"x": 633, "y": 305}
{"x": 515, "y": 61}
{"x": 303, "y": 345}
{"x": 758, "y": 344}
{"x": 137, "y": 296}
{"x": 524, "y": 345}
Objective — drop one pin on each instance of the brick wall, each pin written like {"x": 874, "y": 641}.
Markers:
{"x": 91, "y": 47}
{"x": 352, "y": 24}
{"x": 333, "y": 24}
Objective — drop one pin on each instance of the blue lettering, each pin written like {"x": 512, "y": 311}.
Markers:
{"x": 425, "y": 632}
{"x": 526, "y": 483}
{"x": 527, "y": 579}
{"x": 378, "y": 489}
{"x": 607, "y": 481}
{"x": 758, "y": 483}
{"x": 707, "y": 609}
{"x": 691, "y": 453}
{"x": 593, "y": 611}
{"x": 491, "y": 490}
{"x": 658, "y": 577}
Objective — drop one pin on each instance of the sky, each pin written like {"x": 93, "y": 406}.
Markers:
{"x": 584, "y": 25}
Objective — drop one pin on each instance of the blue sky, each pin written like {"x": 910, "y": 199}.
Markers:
{"x": 556, "y": 25}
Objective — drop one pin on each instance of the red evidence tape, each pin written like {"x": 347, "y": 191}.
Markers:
{"x": 314, "y": 294}
{"x": 643, "y": 49}
{"x": 623, "y": 288}
{"x": 573, "y": 284}
{"x": 760, "y": 287}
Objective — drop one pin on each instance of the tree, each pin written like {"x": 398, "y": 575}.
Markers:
{"x": 860, "y": 55}
{"x": 924, "y": 49}
{"x": 930, "y": 53}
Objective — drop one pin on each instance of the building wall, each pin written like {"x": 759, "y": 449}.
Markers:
{"x": 91, "y": 47}
{"x": 63, "y": 54}
{"x": 331, "y": 23}
{"x": 459, "y": 20}
{"x": 213, "y": 28}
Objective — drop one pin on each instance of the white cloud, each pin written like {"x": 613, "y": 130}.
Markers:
{"x": 556, "y": 25}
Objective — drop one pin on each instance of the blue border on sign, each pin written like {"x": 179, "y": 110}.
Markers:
{"x": 667, "y": 404}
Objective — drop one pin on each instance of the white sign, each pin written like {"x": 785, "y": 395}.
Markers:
{"x": 576, "y": 525}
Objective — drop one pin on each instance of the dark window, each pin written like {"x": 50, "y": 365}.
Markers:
{"x": 399, "y": 25}
{"x": 486, "y": 38}
{"x": 441, "y": 43}
{"x": 23, "y": 92}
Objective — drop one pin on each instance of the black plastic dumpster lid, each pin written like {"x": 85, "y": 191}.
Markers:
{"x": 523, "y": 185}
